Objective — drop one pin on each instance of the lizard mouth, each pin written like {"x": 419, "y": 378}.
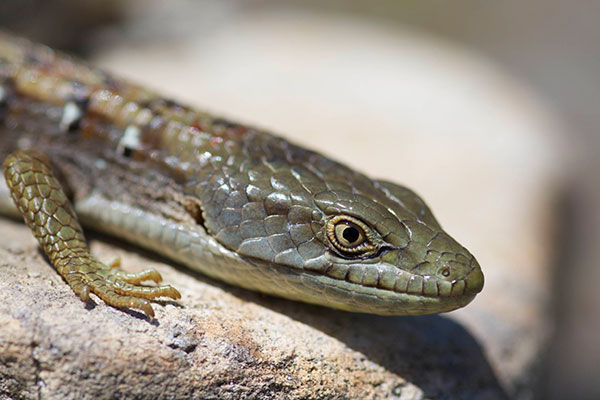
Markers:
{"x": 388, "y": 277}
{"x": 417, "y": 299}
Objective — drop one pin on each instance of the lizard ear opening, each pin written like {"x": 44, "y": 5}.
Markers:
{"x": 193, "y": 207}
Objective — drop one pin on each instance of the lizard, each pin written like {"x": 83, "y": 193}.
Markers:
{"x": 81, "y": 147}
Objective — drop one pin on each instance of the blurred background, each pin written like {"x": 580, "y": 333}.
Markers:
{"x": 546, "y": 54}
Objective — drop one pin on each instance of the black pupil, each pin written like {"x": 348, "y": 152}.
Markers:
{"x": 351, "y": 234}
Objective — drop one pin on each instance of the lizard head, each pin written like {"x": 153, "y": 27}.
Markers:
{"x": 387, "y": 239}
{"x": 347, "y": 241}
{"x": 332, "y": 236}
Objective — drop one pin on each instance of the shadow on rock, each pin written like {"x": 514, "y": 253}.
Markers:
{"x": 433, "y": 352}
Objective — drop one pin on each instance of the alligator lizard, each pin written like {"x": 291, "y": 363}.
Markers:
{"x": 231, "y": 201}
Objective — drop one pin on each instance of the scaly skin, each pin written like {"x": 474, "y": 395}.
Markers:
{"x": 50, "y": 216}
{"x": 231, "y": 201}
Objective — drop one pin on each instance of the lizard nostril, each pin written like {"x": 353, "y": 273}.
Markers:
{"x": 444, "y": 272}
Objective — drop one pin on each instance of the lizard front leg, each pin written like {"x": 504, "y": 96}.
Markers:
{"x": 47, "y": 211}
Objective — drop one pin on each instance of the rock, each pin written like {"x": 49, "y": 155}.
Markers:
{"x": 218, "y": 342}
{"x": 478, "y": 146}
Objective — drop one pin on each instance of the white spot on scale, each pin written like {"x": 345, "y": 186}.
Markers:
{"x": 131, "y": 139}
{"x": 71, "y": 114}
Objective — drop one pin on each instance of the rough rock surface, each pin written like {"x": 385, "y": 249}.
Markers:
{"x": 477, "y": 146}
{"x": 219, "y": 342}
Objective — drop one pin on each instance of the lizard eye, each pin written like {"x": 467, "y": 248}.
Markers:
{"x": 349, "y": 235}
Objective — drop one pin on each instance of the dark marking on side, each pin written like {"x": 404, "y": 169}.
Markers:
{"x": 127, "y": 152}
